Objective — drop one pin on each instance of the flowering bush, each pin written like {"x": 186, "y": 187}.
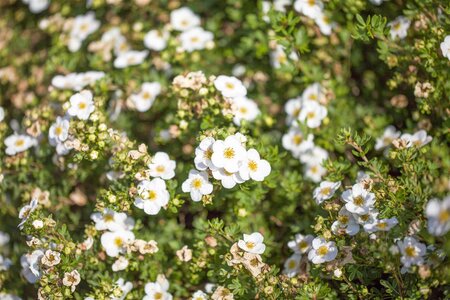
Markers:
{"x": 286, "y": 149}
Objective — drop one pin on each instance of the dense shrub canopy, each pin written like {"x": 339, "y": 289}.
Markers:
{"x": 233, "y": 149}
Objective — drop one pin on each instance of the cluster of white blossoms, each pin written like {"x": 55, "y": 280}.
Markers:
{"x": 252, "y": 243}
{"x": 226, "y": 160}
{"x": 192, "y": 37}
{"x": 314, "y": 10}
{"x": 152, "y": 194}
{"x": 76, "y": 81}
{"x": 412, "y": 253}
{"x": 234, "y": 92}
{"x": 390, "y": 135}
{"x": 80, "y": 28}
{"x": 307, "y": 110}
{"x": 318, "y": 251}
{"x": 399, "y": 27}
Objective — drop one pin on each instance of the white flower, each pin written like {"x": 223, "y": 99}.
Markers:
{"x": 115, "y": 242}
{"x": 162, "y": 166}
{"x": 227, "y": 179}
{"x": 301, "y": 243}
{"x": 412, "y": 251}
{"x": 296, "y": 142}
{"x": 230, "y": 86}
{"x": 26, "y": 211}
{"x": 203, "y": 154}
{"x": 310, "y": 8}
{"x": 5, "y": 264}
{"x": 252, "y": 243}
{"x": 315, "y": 172}
{"x": 109, "y": 220}
{"x": 312, "y": 114}
{"x": 4, "y": 238}
{"x": 130, "y": 58}
{"x": 156, "y": 39}
{"x": 157, "y": 290}
{"x": 445, "y": 47}
{"x": 197, "y": 185}
{"x": 324, "y": 23}
{"x": 313, "y": 92}
{"x": 81, "y": 105}
{"x": 438, "y": 214}
{"x": 228, "y": 154}
{"x": 30, "y": 263}
{"x": 399, "y": 27}
{"x": 17, "y": 143}
{"x": 145, "y": 98}
{"x": 367, "y": 219}
{"x": 280, "y": 5}
{"x": 82, "y": 26}
{"x": 418, "y": 139}
{"x": 279, "y": 57}
{"x": 37, "y": 6}
{"x": 199, "y": 295}
{"x": 113, "y": 37}
{"x": 183, "y": 19}
{"x": 126, "y": 287}
{"x": 292, "y": 265}
{"x": 376, "y": 2}
{"x": 71, "y": 279}
{"x": 292, "y": 109}
{"x": 322, "y": 251}
{"x": 38, "y": 224}
{"x": 195, "y": 39}
{"x": 76, "y": 81}
{"x": 59, "y": 130}
{"x": 325, "y": 191}
{"x": 346, "y": 223}
{"x": 152, "y": 195}
{"x": 2, "y": 113}
{"x": 120, "y": 264}
{"x": 389, "y": 134}
{"x": 51, "y": 258}
{"x": 314, "y": 156}
{"x": 244, "y": 109}
{"x": 381, "y": 225}
{"x": 358, "y": 200}
{"x": 254, "y": 167}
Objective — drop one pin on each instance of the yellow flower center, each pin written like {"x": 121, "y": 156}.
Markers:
{"x": 229, "y": 85}
{"x": 325, "y": 191}
{"x": 311, "y": 115}
{"x": 411, "y": 251}
{"x": 358, "y": 201}
{"x": 196, "y": 183}
{"x": 303, "y": 245}
{"x": 292, "y": 264}
{"x": 444, "y": 216}
{"x": 228, "y": 153}
{"x": 343, "y": 220}
{"x": 58, "y": 130}
{"x": 108, "y": 218}
{"x": 250, "y": 245}
{"x": 208, "y": 153}
{"x": 19, "y": 143}
{"x": 323, "y": 250}
{"x": 382, "y": 225}
{"x": 243, "y": 110}
{"x": 82, "y": 105}
{"x": 118, "y": 242}
{"x": 312, "y": 97}
{"x": 296, "y": 112}
{"x": 314, "y": 169}
{"x": 252, "y": 166}
{"x": 194, "y": 39}
{"x": 158, "y": 295}
{"x": 160, "y": 169}
{"x": 146, "y": 96}
{"x": 297, "y": 139}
